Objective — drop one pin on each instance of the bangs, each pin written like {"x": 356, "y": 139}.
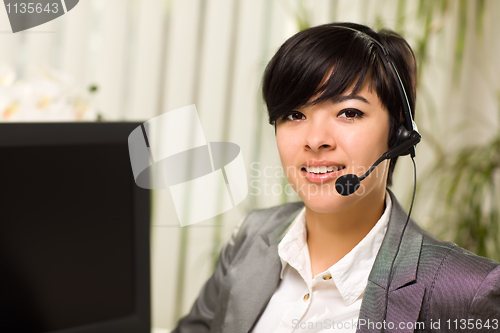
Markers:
{"x": 322, "y": 61}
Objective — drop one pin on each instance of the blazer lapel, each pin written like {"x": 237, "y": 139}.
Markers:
{"x": 255, "y": 278}
{"x": 405, "y": 294}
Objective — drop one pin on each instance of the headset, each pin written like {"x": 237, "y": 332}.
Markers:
{"x": 407, "y": 138}
{"x": 407, "y": 135}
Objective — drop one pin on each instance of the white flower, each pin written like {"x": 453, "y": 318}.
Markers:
{"x": 45, "y": 95}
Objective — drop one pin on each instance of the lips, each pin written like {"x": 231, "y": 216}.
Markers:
{"x": 321, "y": 171}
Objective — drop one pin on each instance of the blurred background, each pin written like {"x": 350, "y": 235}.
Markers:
{"x": 113, "y": 60}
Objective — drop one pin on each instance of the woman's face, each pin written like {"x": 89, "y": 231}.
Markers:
{"x": 319, "y": 143}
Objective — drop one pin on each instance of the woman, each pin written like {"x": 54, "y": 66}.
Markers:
{"x": 350, "y": 262}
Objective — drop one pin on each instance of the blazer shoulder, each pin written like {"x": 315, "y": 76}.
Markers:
{"x": 449, "y": 253}
{"x": 457, "y": 281}
{"x": 263, "y": 222}
{"x": 268, "y": 219}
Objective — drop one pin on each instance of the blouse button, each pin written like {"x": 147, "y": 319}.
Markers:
{"x": 306, "y": 297}
{"x": 327, "y": 277}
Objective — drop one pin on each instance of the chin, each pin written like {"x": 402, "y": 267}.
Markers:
{"x": 328, "y": 203}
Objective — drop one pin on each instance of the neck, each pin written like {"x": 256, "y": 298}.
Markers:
{"x": 330, "y": 236}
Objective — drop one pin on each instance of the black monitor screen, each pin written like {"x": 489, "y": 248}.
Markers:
{"x": 66, "y": 236}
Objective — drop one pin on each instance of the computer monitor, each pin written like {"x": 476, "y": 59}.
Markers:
{"x": 74, "y": 230}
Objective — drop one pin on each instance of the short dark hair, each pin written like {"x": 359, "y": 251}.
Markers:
{"x": 295, "y": 72}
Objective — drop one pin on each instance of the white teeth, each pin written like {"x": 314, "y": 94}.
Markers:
{"x": 322, "y": 169}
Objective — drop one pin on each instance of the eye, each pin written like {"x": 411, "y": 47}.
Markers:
{"x": 295, "y": 115}
{"x": 350, "y": 114}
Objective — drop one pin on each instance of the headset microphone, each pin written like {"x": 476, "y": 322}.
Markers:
{"x": 348, "y": 184}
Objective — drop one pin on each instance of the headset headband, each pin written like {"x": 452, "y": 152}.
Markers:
{"x": 409, "y": 123}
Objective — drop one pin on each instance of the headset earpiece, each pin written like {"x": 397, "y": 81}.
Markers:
{"x": 406, "y": 140}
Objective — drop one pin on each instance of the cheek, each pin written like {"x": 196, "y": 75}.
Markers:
{"x": 286, "y": 147}
{"x": 366, "y": 144}
{"x": 289, "y": 145}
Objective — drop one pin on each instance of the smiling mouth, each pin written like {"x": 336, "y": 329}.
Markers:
{"x": 322, "y": 169}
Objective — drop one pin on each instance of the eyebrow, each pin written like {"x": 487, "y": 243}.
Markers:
{"x": 342, "y": 98}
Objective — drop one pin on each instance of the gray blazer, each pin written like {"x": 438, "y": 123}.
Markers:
{"x": 433, "y": 282}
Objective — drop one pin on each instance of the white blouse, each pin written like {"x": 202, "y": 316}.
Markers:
{"x": 332, "y": 299}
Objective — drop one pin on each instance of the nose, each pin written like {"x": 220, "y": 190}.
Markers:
{"x": 320, "y": 136}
